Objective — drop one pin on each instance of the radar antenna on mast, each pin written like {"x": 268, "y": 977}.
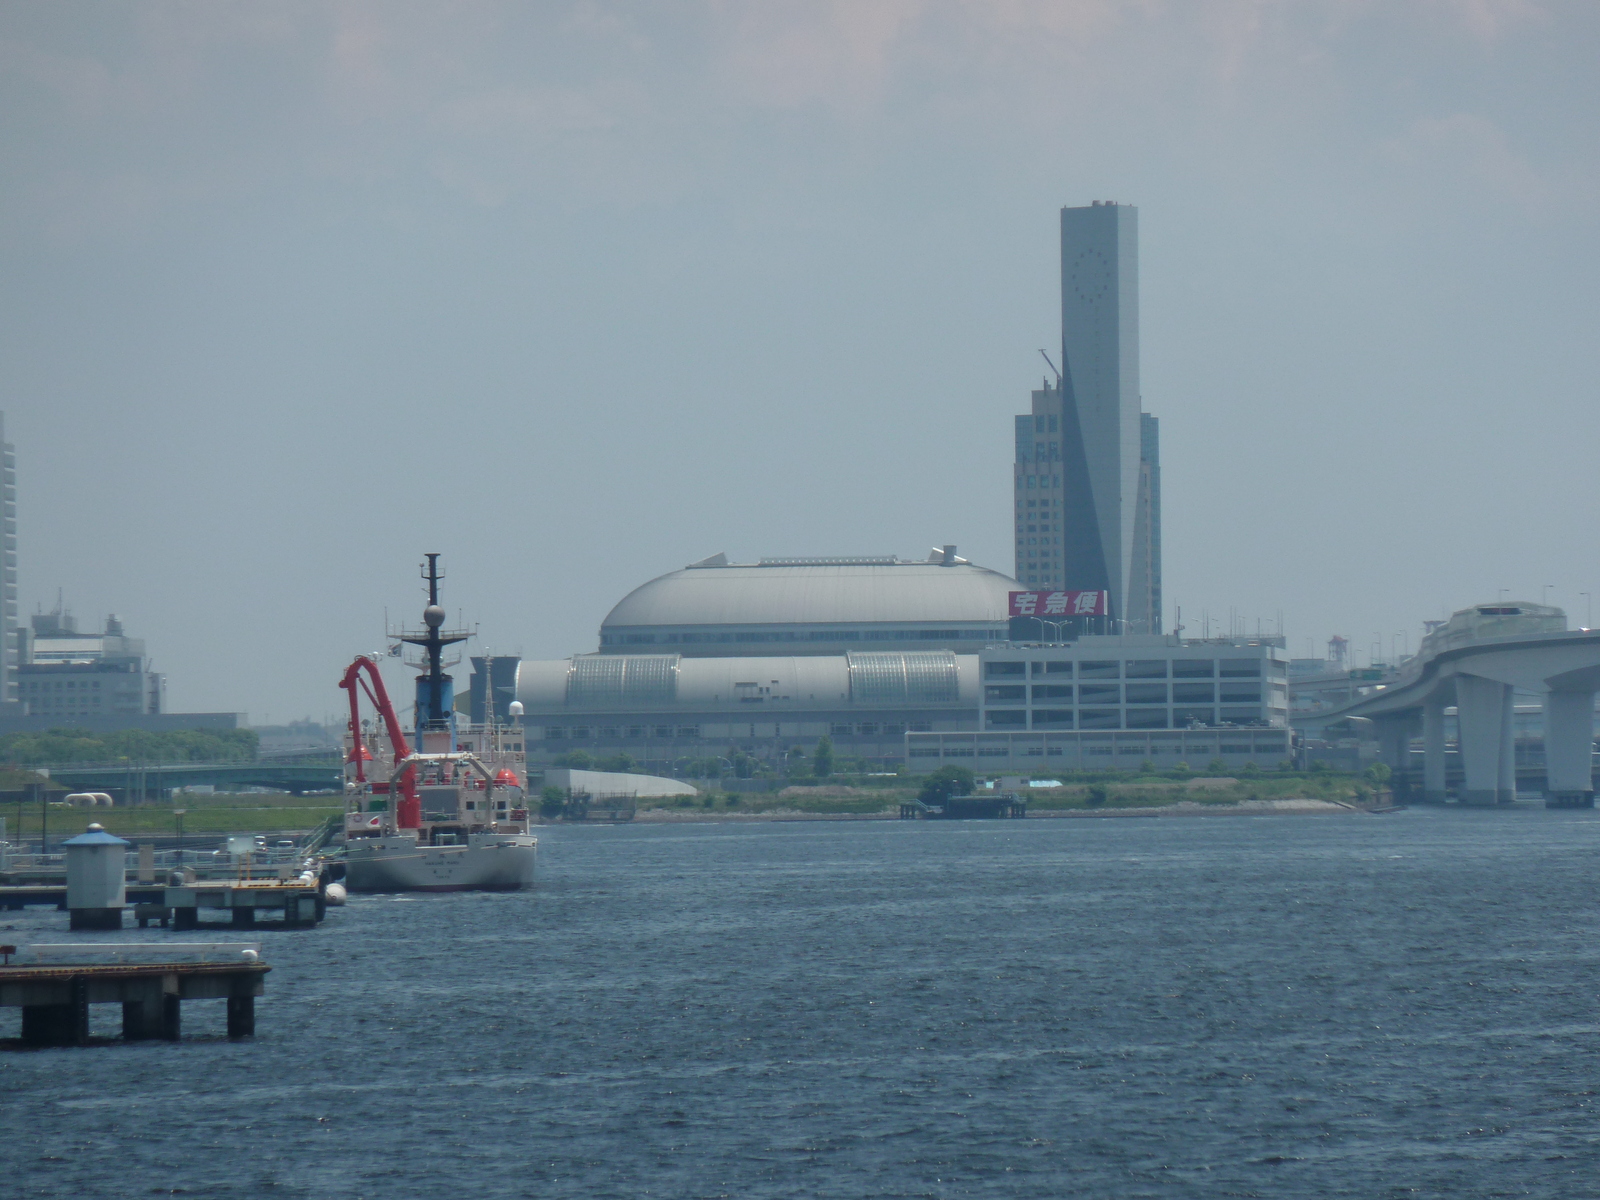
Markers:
{"x": 434, "y": 687}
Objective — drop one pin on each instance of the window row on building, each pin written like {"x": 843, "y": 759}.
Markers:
{"x": 1132, "y": 693}
{"x": 1135, "y": 668}
{"x": 1090, "y": 751}
{"x": 722, "y": 733}
{"x": 1122, "y": 718}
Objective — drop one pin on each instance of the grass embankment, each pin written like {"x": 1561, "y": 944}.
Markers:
{"x": 265, "y": 812}
{"x": 1083, "y": 790}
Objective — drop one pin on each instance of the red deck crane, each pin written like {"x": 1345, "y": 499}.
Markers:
{"x": 408, "y": 810}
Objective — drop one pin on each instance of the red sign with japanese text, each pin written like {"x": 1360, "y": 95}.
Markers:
{"x": 1060, "y": 604}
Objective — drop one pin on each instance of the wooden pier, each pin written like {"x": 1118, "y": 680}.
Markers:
{"x": 55, "y": 997}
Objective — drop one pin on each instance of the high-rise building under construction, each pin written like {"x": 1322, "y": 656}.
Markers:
{"x": 1088, "y": 469}
{"x": 8, "y": 567}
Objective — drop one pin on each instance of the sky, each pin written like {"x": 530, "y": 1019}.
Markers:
{"x": 577, "y": 293}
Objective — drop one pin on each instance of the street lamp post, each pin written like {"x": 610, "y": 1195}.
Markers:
{"x": 1588, "y": 610}
{"x": 179, "y": 814}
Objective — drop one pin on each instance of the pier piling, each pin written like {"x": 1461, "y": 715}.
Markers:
{"x": 55, "y": 998}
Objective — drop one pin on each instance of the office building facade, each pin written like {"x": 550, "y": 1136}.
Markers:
{"x": 66, "y": 673}
{"x": 1087, "y": 477}
{"x": 1116, "y": 702}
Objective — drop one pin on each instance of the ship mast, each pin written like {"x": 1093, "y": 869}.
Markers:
{"x": 435, "y": 690}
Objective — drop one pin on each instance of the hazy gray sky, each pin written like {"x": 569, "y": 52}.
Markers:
{"x": 577, "y": 293}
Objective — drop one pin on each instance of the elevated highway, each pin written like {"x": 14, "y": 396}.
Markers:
{"x": 159, "y": 779}
{"x": 1476, "y": 663}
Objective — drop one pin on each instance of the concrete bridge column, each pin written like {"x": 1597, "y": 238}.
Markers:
{"x": 1483, "y": 714}
{"x": 1568, "y": 749}
{"x": 1433, "y": 773}
{"x": 1394, "y": 742}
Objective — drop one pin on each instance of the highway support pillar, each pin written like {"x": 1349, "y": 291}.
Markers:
{"x": 1433, "y": 764}
{"x": 1508, "y": 747}
{"x": 1569, "y": 749}
{"x": 1483, "y": 715}
{"x": 1394, "y": 744}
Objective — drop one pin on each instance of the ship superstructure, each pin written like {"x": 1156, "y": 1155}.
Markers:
{"x": 446, "y": 808}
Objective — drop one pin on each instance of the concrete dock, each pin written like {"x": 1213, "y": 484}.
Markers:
{"x": 301, "y": 905}
{"x": 55, "y": 997}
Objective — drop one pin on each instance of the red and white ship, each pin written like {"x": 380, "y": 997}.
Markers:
{"x": 446, "y": 809}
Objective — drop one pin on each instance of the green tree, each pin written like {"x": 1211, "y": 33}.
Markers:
{"x": 1097, "y": 795}
{"x": 744, "y": 765}
{"x": 945, "y": 783}
{"x": 1378, "y": 773}
{"x": 1217, "y": 767}
{"x": 576, "y": 760}
{"x": 622, "y": 761}
{"x": 822, "y": 759}
{"x": 551, "y": 801}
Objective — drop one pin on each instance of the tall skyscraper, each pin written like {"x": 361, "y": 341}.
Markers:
{"x": 8, "y": 567}
{"x": 1088, "y": 469}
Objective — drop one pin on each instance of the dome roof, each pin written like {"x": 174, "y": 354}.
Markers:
{"x": 818, "y": 592}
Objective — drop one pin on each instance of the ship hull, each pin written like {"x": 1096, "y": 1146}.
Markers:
{"x": 489, "y": 863}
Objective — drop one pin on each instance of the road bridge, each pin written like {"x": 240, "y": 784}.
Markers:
{"x": 161, "y": 778}
{"x": 1476, "y": 662}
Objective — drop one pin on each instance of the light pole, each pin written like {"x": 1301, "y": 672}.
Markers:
{"x": 1588, "y": 610}
{"x": 179, "y": 814}
{"x": 1544, "y": 593}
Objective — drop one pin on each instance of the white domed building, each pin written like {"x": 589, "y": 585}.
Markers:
{"x": 763, "y": 657}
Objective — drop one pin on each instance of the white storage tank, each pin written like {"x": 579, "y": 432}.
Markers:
{"x": 97, "y": 888}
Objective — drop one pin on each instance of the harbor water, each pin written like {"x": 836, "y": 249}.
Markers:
{"x": 1366, "y": 1006}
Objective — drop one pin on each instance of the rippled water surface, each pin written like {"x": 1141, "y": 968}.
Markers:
{"x": 1281, "y": 1006}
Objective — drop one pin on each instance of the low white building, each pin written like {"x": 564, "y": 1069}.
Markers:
{"x": 1116, "y": 702}
{"x": 616, "y": 783}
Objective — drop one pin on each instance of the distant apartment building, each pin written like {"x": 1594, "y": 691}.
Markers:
{"x": 63, "y": 672}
